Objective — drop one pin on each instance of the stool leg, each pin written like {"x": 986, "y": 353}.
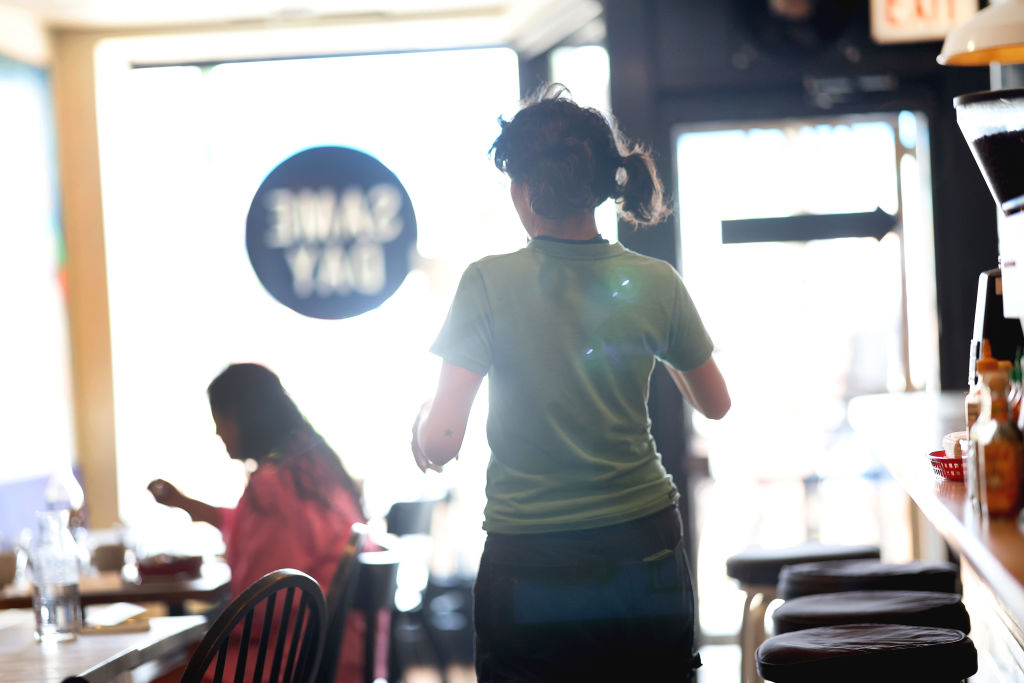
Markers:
{"x": 747, "y": 664}
{"x": 752, "y": 630}
{"x": 757, "y": 634}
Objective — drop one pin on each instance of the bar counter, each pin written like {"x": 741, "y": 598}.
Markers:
{"x": 901, "y": 430}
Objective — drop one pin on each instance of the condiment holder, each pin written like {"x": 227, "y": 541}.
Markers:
{"x": 946, "y": 467}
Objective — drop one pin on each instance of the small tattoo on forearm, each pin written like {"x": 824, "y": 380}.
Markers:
{"x": 449, "y": 433}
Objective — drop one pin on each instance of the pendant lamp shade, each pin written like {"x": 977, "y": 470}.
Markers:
{"x": 994, "y": 34}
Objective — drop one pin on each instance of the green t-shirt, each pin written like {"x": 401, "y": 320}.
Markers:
{"x": 567, "y": 334}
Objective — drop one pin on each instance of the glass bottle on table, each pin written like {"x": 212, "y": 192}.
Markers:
{"x": 55, "y": 594}
{"x": 64, "y": 492}
{"x": 999, "y": 449}
{"x": 973, "y": 413}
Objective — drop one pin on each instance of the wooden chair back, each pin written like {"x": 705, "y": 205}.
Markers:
{"x": 272, "y": 632}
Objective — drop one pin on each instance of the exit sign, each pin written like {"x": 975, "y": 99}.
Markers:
{"x": 913, "y": 21}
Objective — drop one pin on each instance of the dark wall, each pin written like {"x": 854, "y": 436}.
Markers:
{"x": 675, "y": 61}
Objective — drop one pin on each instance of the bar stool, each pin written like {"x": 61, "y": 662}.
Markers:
{"x": 911, "y": 608}
{"x": 757, "y": 571}
{"x": 834, "y": 576}
{"x": 880, "y": 653}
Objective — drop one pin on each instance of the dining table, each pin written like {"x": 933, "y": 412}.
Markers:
{"x": 107, "y": 657}
{"x": 211, "y": 585}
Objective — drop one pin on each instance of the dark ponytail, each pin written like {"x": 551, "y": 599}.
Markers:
{"x": 571, "y": 158}
{"x": 642, "y": 195}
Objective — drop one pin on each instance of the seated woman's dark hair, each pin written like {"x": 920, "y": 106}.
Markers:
{"x": 268, "y": 420}
{"x": 255, "y": 399}
{"x": 571, "y": 158}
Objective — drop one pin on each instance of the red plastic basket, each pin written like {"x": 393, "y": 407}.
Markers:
{"x": 947, "y": 467}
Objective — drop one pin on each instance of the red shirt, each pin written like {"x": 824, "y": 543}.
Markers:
{"x": 273, "y": 528}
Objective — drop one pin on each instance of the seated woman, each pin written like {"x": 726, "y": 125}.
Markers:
{"x": 299, "y": 505}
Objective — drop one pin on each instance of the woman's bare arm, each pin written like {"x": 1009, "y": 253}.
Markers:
{"x": 440, "y": 425}
{"x": 704, "y": 388}
{"x": 166, "y": 493}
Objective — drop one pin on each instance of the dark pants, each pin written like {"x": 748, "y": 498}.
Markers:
{"x": 607, "y": 604}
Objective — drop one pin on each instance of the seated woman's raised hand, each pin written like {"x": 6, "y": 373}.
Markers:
{"x": 166, "y": 493}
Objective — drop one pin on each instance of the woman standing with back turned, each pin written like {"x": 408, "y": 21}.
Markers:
{"x": 583, "y": 574}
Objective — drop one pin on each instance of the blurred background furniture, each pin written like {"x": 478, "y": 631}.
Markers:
{"x": 375, "y": 596}
{"x": 282, "y": 644}
{"x": 108, "y": 587}
{"x": 412, "y": 629}
{"x": 340, "y": 595}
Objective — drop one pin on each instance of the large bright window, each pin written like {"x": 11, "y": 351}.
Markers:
{"x": 35, "y": 403}
{"x": 183, "y": 151}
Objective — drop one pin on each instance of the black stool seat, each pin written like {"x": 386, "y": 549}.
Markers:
{"x": 913, "y": 608}
{"x": 833, "y": 576}
{"x": 761, "y": 566}
{"x": 879, "y": 653}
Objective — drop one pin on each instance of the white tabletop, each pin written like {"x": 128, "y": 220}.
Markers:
{"x": 94, "y": 657}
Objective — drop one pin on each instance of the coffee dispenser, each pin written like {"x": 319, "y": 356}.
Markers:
{"x": 993, "y": 124}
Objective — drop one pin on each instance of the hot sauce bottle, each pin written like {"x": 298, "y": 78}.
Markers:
{"x": 972, "y": 401}
{"x": 1000, "y": 450}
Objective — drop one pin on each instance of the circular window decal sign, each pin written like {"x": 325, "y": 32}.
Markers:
{"x": 331, "y": 232}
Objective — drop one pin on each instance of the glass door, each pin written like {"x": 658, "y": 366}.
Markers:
{"x": 807, "y": 246}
